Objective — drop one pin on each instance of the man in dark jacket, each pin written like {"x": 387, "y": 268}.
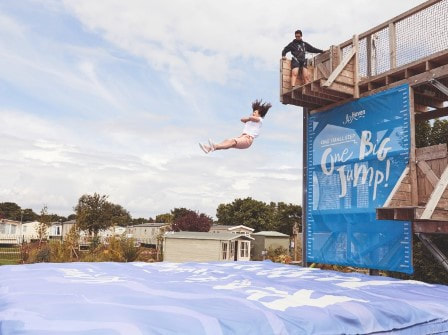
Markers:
{"x": 298, "y": 48}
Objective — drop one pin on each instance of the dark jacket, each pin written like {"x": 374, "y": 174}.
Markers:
{"x": 298, "y": 50}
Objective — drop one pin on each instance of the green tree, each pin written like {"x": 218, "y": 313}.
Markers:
{"x": 164, "y": 218}
{"x": 422, "y": 133}
{"x": 44, "y": 224}
{"x": 138, "y": 221}
{"x": 179, "y": 212}
{"x": 12, "y": 211}
{"x": 71, "y": 217}
{"x": 439, "y": 132}
{"x": 286, "y": 216}
{"x": 71, "y": 241}
{"x": 120, "y": 216}
{"x": 249, "y": 212}
{"x": 94, "y": 213}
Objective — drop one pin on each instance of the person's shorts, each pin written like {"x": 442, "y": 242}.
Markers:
{"x": 298, "y": 64}
{"x": 243, "y": 142}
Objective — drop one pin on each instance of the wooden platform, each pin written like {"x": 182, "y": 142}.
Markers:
{"x": 376, "y": 60}
{"x": 325, "y": 91}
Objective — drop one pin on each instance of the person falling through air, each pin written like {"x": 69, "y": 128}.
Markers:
{"x": 252, "y": 125}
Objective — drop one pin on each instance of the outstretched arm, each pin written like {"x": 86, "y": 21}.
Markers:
{"x": 250, "y": 118}
{"x": 310, "y": 48}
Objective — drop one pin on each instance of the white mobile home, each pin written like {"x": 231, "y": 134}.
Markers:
{"x": 204, "y": 247}
{"x": 147, "y": 233}
{"x": 240, "y": 229}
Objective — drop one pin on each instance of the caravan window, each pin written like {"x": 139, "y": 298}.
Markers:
{"x": 244, "y": 250}
{"x": 224, "y": 250}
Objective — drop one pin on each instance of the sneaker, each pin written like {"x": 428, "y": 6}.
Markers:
{"x": 212, "y": 145}
{"x": 204, "y": 148}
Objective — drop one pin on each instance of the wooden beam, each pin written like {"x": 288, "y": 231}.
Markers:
{"x": 418, "y": 79}
{"x": 404, "y": 214}
{"x": 437, "y": 151}
{"x": 392, "y": 45}
{"x": 338, "y": 88}
{"x": 423, "y": 100}
{"x": 308, "y": 91}
{"x": 412, "y": 160}
{"x": 420, "y": 108}
{"x": 411, "y": 68}
{"x": 339, "y": 68}
{"x": 431, "y": 92}
{"x": 439, "y": 112}
{"x": 435, "y": 196}
{"x": 322, "y": 68}
{"x": 298, "y": 95}
{"x": 315, "y": 87}
{"x": 396, "y": 187}
{"x": 414, "y": 81}
{"x": 335, "y": 57}
{"x": 384, "y": 213}
{"x": 430, "y": 227}
{"x": 356, "y": 67}
{"x": 369, "y": 55}
{"x": 428, "y": 172}
{"x": 281, "y": 80}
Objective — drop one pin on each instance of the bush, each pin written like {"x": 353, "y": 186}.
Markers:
{"x": 41, "y": 255}
{"x": 129, "y": 251}
{"x": 59, "y": 253}
{"x": 116, "y": 249}
{"x": 278, "y": 255}
{"x": 147, "y": 255}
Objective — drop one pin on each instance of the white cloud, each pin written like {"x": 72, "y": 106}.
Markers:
{"x": 118, "y": 106}
{"x": 201, "y": 35}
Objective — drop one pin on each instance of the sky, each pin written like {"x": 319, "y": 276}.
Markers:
{"x": 113, "y": 96}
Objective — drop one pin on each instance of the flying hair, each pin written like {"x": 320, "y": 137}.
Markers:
{"x": 261, "y": 107}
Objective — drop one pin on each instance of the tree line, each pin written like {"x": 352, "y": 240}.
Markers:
{"x": 95, "y": 212}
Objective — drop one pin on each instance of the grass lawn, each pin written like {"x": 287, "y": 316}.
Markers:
{"x": 9, "y": 261}
{"x": 9, "y": 255}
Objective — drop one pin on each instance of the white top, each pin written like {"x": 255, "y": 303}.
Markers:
{"x": 252, "y": 128}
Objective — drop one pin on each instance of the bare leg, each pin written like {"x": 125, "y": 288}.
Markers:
{"x": 306, "y": 76}
{"x": 226, "y": 144}
{"x": 294, "y": 73}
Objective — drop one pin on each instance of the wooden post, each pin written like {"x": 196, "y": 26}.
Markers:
{"x": 281, "y": 80}
{"x": 356, "y": 67}
{"x": 392, "y": 45}
{"x": 304, "y": 180}
{"x": 369, "y": 55}
{"x": 412, "y": 155}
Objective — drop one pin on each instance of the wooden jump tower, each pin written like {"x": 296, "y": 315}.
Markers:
{"x": 411, "y": 48}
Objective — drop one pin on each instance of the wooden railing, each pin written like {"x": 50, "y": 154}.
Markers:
{"x": 375, "y": 58}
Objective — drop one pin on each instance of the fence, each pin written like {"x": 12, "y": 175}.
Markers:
{"x": 16, "y": 248}
{"x": 413, "y": 35}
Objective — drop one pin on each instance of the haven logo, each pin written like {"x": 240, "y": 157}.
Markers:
{"x": 349, "y": 118}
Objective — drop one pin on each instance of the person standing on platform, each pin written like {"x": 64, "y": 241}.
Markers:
{"x": 298, "y": 49}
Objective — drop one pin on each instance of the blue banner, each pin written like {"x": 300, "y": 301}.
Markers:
{"x": 356, "y": 153}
